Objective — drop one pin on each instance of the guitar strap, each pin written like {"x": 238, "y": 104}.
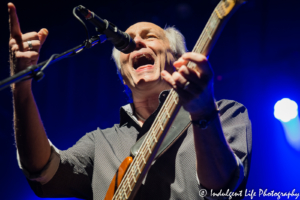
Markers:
{"x": 179, "y": 126}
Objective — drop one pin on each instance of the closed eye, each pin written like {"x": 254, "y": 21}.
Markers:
{"x": 151, "y": 36}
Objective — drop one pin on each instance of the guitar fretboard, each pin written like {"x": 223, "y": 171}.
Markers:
{"x": 171, "y": 106}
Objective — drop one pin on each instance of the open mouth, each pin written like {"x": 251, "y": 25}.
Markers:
{"x": 142, "y": 60}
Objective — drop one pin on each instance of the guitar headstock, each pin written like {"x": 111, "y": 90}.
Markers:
{"x": 226, "y": 6}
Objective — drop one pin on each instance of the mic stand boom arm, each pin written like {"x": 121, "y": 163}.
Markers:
{"x": 35, "y": 71}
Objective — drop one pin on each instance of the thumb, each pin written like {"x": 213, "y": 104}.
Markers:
{"x": 43, "y": 33}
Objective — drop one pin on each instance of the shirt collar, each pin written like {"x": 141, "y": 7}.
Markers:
{"x": 127, "y": 111}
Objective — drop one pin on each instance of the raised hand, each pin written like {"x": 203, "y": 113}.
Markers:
{"x": 31, "y": 139}
{"x": 24, "y": 48}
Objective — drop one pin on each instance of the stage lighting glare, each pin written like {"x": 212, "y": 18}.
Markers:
{"x": 285, "y": 110}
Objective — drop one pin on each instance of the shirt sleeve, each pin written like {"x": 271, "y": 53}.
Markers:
{"x": 235, "y": 181}
{"x": 46, "y": 174}
{"x": 236, "y": 127}
{"x": 68, "y": 173}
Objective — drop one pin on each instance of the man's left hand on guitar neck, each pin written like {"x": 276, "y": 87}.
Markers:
{"x": 194, "y": 86}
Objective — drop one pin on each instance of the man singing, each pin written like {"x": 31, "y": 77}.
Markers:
{"x": 212, "y": 157}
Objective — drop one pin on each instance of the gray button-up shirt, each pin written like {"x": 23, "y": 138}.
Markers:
{"x": 86, "y": 169}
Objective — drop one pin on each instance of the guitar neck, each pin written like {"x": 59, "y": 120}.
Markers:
{"x": 147, "y": 152}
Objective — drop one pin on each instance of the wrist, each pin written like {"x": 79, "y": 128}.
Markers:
{"x": 209, "y": 107}
{"x": 204, "y": 119}
{"x": 21, "y": 88}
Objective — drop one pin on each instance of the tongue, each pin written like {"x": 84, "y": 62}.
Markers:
{"x": 143, "y": 61}
{"x": 144, "y": 66}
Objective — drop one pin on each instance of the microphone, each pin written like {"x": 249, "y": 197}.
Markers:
{"x": 121, "y": 40}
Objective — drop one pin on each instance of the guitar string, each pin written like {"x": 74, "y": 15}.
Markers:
{"x": 143, "y": 156}
{"x": 138, "y": 159}
{"x": 145, "y": 149}
{"x": 202, "y": 39}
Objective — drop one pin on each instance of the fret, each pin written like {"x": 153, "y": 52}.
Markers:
{"x": 168, "y": 114}
{"x": 170, "y": 103}
{"x": 146, "y": 152}
{"x": 143, "y": 157}
{"x": 208, "y": 33}
{"x": 124, "y": 195}
{"x": 155, "y": 139}
{"x": 134, "y": 178}
{"x": 153, "y": 134}
{"x": 137, "y": 167}
{"x": 166, "y": 109}
{"x": 120, "y": 195}
{"x": 129, "y": 185}
{"x": 162, "y": 128}
{"x": 214, "y": 23}
{"x": 127, "y": 192}
{"x": 141, "y": 165}
{"x": 164, "y": 118}
{"x": 176, "y": 102}
{"x": 152, "y": 139}
{"x": 149, "y": 146}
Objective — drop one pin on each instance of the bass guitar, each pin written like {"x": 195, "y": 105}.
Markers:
{"x": 131, "y": 172}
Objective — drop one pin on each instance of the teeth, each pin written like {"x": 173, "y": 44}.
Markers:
{"x": 142, "y": 55}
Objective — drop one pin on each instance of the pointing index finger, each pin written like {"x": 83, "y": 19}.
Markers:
{"x": 14, "y": 26}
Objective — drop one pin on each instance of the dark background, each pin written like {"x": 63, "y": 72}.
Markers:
{"x": 256, "y": 62}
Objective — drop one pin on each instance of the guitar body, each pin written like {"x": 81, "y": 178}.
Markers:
{"x": 118, "y": 178}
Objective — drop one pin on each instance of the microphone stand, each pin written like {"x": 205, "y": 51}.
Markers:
{"x": 35, "y": 71}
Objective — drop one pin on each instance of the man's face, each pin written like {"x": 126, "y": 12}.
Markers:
{"x": 141, "y": 68}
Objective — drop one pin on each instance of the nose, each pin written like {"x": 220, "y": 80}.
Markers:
{"x": 140, "y": 43}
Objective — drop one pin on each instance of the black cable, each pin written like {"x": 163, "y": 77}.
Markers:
{"x": 40, "y": 74}
{"x": 47, "y": 63}
{"x": 86, "y": 30}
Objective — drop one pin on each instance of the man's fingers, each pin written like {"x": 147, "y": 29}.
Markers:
{"x": 30, "y": 36}
{"x": 43, "y": 33}
{"x": 194, "y": 57}
{"x": 168, "y": 78}
{"x": 36, "y": 44}
{"x": 25, "y": 37}
{"x": 30, "y": 55}
{"x": 190, "y": 74}
{"x": 177, "y": 64}
{"x": 177, "y": 81}
{"x": 15, "y": 30}
{"x": 27, "y": 58}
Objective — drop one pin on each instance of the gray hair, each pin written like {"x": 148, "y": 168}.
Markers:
{"x": 177, "y": 44}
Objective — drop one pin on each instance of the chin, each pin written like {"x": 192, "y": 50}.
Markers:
{"x": 151, "y": 84}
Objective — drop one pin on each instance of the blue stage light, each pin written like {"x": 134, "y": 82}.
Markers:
{"x": 285, "y": 110}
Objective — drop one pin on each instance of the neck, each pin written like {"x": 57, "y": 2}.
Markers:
{"x": 146, "y": 102}
{"x": 144, "y": 107}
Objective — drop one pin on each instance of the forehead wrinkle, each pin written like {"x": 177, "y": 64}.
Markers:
{"x": 146, "y": 27}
